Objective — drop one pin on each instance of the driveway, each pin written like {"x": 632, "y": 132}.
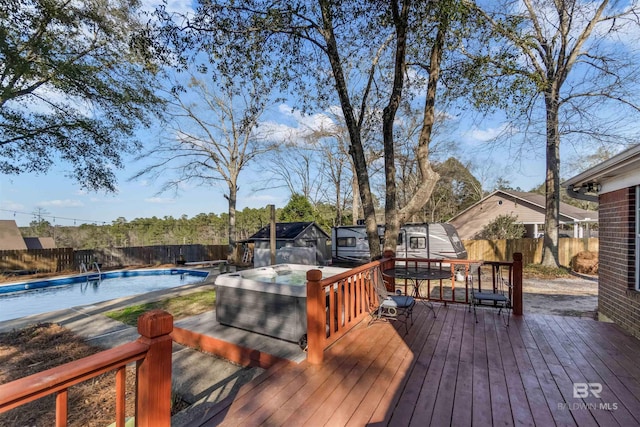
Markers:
{"x": 563, "y": 297}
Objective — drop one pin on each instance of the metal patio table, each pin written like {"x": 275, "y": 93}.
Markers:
{"x": 418, "y": 275}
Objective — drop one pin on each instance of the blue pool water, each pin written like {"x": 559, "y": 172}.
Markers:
{"x": 34, "y": 297}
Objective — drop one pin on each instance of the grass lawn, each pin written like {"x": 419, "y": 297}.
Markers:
{"x": 179, "y": 307}
{"x": 537, "y": 271}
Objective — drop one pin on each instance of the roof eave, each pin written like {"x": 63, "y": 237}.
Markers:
{"x": 595, "y": 174}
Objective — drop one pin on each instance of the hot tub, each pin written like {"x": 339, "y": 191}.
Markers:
{"x": 267, "y": 300}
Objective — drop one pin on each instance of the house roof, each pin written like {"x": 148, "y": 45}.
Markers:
{"x": 620, "y": 171}
{"x": 572, "y": 212}
{"x": 10, "y": 236}
{"x": 285, "y": 230}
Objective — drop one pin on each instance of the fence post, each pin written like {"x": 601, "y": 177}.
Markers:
{"x": 153, "y": 388}
{"x": 517, "y": 284}
{"x": 316, "y": 317}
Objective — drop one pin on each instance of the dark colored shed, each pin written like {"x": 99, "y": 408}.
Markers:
{"x": 296, "y": 242}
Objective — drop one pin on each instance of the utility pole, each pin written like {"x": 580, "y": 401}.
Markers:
{"x": 272, "y": 233}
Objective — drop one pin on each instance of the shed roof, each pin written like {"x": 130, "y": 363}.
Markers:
{"x": 40, "y": 242}
{"x": 286, "y": 230}
{"x": 10, "y": 237}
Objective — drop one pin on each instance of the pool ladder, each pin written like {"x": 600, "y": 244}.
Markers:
{"x": 92, "y": 276}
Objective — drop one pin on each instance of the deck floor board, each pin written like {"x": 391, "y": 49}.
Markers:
{"x": 450, "y": 370}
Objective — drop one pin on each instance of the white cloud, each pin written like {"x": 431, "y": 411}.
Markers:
{"x": 292, "y": 125}
{"x": 336, "y": 111}
{"x": 484, "y": 135}
{"x": 255, "y": 201}
{"x": 66, "y": 203}
{"x": 259, "y": 198}
{"x": 105, "y": 200}
{"x": 10, "y": 205}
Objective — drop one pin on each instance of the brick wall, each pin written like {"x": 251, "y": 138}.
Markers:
{"x": 617, "y": 298}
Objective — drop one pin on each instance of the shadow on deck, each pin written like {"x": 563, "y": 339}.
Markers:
{"x": 541, "y": 370}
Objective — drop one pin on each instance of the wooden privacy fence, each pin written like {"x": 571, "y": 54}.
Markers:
{"x": 37, "y": 260}
{"x": 66, "y": 259}
{"x": 531, "y": 249}
{"x": 150, "y": 255}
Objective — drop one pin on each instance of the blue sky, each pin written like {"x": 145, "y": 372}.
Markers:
{"x": 66, "y": 204}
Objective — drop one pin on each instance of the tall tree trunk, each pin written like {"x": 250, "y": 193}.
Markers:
{"x": 392, "y": 226}
{"x": 233, "y": 196}
{"x": 429, "y": 176}
{"x": 355, "y": 208}
{"x": 552, "y": 181}
{"x": 338, "y": 205}
{"x": 355, "y": 149}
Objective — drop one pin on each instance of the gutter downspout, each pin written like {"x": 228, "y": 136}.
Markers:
{"x": 581, "y": 196}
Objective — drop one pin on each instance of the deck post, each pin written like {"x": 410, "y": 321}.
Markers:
{"x": 316, "y": 317}
{"x": 153, "y": 379}
{"x": 517, "y": 284}
{"x": 389, "y": 263}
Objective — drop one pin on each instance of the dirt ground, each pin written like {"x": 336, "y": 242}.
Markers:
{"x": 44, "y": 346}
{"x": 574, "y": 296}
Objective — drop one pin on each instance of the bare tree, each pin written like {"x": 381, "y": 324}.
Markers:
{"x": 573, "y": 62}
{"x": 298, "y": 169}
{"x": 425, "y": 32}
{"x": 211, "y": 137}
{"x": 315, "y": 162}
{"x": 314, "y": 45}
{"x": 407, "y": 131}
{"x": 337, "y": 167}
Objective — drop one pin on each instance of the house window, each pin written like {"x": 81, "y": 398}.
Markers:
{"x": 637, "y": 218}
{"x": 417, "y": 242}
{"x": 347, "y": 241}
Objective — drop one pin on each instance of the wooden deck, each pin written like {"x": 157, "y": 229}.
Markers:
{"x": 453, "y": 371}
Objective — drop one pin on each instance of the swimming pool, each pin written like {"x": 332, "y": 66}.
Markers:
{"x": 41, "y": 296}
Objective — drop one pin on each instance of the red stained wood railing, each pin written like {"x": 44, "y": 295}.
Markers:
{"x": 337, "y": 304}
{"x": 434, "y": 289}
{"x": 451, "y": 290}
{"x": 152, "y": 352}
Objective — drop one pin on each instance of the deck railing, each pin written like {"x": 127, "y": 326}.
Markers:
{"x": 337, "y": 304}
{"x": 151, "y": 352}
{"x": 455, "y": 288}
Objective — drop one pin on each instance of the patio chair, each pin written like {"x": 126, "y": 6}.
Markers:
{"x": 497, "y": 291}
{"x": 391, "y": 306}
